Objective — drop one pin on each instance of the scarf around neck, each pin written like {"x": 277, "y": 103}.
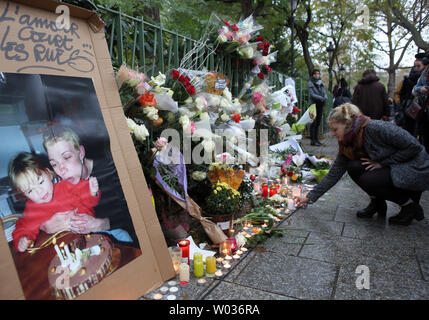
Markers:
{"x": 352, "y": 144}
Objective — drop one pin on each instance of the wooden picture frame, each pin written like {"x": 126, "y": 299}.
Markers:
{"x": 82, "y": 52}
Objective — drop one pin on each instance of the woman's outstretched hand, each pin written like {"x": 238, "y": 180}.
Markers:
{"x": 370, "y": 165}
{"x": 303, "y": 202}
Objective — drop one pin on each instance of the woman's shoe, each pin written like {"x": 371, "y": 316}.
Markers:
{"x": 407, "y": 214}
{"x": 375, "y": 206}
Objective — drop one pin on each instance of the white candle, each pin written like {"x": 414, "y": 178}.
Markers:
{"x": 243, "y": 249}
{"x": 219, "y": 273}
{"x": 228, "y": 258}
{"x": 239, "y": 252}
{"x": 157, "y": 296}
{"x": 202, "y": 281}
{"x": 184, "y": 272}
{"x": 227, "y": 266}
{"x": 174, "y": 289}
{"x": 236, "y": 256}
{"x": 163, "y": 289}
{"x": 171, "y": 297}
{"x": 220, "y": 259}
{"x": 60, "y": 255}
{"x": 172, "y": 283}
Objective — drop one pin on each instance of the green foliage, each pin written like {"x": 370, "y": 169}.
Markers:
{"x": 223, "y": 199}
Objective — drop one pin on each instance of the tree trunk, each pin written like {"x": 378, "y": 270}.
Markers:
{"x": 391, "y": 83}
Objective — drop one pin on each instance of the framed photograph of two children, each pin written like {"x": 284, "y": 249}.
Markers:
{"x": 77, "y": 218}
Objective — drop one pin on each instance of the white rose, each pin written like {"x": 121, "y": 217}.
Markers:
{"x": 184, "y": 120}
{"x": 200, "y": 103}
{"x": 208, "y": 145}
{"x": 131, "y": 125}
{"x": 246, "y": 52}
{"x": 225, "y": 103}
{"x": 159, "y": 80}
{"x": 227, "y": 94}
{"x": 151, "y": 113}
{"x": 199, "y": 175}
{"x": 140, "y": 132}
{"x": 222, "y": 38}
{"x": 224, "y": 117}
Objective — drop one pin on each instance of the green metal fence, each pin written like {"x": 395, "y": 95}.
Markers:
{"x": 152, "y": 49}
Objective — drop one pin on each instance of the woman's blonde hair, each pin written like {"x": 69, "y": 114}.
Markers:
{"x": 60, "y": 133}
{"x": 343, "y": 113}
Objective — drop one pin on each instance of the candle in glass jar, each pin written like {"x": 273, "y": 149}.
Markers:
{"x": 184, "y": 246}
{"x": 232, "y": 243}
{"x": 184, "y": 272}
{"x": 198, "y": 256}
{"x": 265, "y": 190}
{"x": 198, "y": 267}
{"x": 210, "y": 265}
{"x": 224, "y": 248}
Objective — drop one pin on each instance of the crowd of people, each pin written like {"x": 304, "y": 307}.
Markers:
{"x": 387, "y": 159}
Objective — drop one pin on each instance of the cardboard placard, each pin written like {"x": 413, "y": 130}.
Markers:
{"x": 33, "y": 49}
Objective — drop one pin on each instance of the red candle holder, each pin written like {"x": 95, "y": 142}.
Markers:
{"x": 184, "y": 246}
{"x": 273, "y": 191}
{"x": 232, "y": 244}
{"x": 265, "y": 190}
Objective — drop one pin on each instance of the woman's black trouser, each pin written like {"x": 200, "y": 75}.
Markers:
{"x": 378, "y": 183}
{"x": 314, "y": 127}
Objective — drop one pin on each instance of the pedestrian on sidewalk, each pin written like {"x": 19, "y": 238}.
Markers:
{"x": 343, "y": 95}
{"x": 421, "y": 91}
{"x": 318, "y": 96}
{"x": 383, "y": 159}
{"x": 371, "y": 97}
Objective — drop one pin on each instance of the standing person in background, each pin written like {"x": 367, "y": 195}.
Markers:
{"x": 421, "y": 90}
{"x": 318, "y": 96}
{"x": 406, "y": 96}
{"x": 371, "y": 97}
{"x": 344, "y": 95}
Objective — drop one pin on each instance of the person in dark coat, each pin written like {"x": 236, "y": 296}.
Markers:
{"x": 386, "y": 161}
{"x": 316, "y": 95}
{"x": 343, "y": 94}
{"x": 371, "y": 97}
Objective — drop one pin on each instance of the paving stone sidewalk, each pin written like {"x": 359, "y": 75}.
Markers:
{"x": 324, "y": 244}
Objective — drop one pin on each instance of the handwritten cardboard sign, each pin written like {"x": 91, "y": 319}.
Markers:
{"x": 32, "y": 43}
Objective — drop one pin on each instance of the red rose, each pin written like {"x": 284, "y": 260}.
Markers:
{"x": 265, "y": 52}
{"x": 261, "y": 76}
{"x": 227, "y": 23}
{"x": 175, "y": 74}
{"x": 268, "y": 68}
{"x": 191, "y": 90}
{"x": 236, "y": 117}
{"x": 252, "y": 177}
{"x": 182, "y": 78}
{"x": 234, "y": 27}
{"x": 289, "y": 173}
{"x": 260, "y": 46}
{"x": 187, "y": 81}
{"x": 266, "y": 45}
{"x": 259, "y": 38}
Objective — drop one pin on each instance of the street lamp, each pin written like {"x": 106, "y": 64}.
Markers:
{"x": 292, "y": 6}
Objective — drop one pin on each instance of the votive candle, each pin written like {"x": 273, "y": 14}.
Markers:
{"x": 210, "y": 265}
{"x": 198, "y": 268}
{"x": 184, "y": 246}
{"x": 184, "y": 272}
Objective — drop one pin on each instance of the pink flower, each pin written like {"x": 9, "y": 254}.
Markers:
{"x": 161, "y": 143}
{"x": 192, "y": 127}
{"x": 257, "y": 98}
{"x": 242, "y": 39}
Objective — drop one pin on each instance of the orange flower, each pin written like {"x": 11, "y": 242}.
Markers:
{"x": 147, "y": 99}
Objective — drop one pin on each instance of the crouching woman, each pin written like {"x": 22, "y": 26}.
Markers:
{"x": 383, "y": 159}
